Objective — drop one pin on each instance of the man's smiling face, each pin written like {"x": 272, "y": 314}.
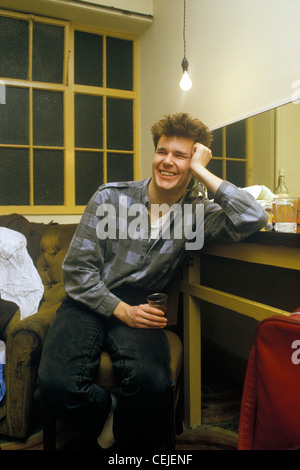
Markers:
{"x": 171, "y": 165}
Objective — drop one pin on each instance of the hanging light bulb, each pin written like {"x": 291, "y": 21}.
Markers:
{"x": 185, "y": 82}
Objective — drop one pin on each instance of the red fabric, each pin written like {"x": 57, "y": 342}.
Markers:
{"x": 270, "y": 410}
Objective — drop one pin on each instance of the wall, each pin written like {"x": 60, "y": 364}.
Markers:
{"x": 243, "y": 55}
{"x": 244, "y": 59}
{"x": 288, "y": 146}
{"x": 263, "y": 148}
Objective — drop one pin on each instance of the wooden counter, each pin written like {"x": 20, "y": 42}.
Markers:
{"x": 258, "y": 278}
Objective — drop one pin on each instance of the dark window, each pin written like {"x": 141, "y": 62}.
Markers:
{"x": 88, "y": 175}
{"x": 14, "y": 117}
{"x": 48, "y": 174}
{"x": 217, "y": 143}
{"x": 216, "y": 167}
{"x": 14, "y": 46}
{"x": 119, "y": 167}
{"x": 236, "y": 140}
{"x": 48, "y": 118}
{"x": 119, "y": 63}
{"x": 88, "y": 121}
{"x": 88, "y": 59}
{"x": 119, "y": 124}
{"x": 236, "y": 172}
{"x": 14, "y": 176}
{"x": 233, "y": 156}
{"x": 48, "y": 53}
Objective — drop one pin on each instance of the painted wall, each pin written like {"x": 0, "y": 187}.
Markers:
{"x": 244, "y": 59}
{"x": 243, "y": 55}
{"x": 288, "y": 146}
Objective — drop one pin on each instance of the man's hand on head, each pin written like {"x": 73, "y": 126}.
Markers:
{"x": 201, "y": 156}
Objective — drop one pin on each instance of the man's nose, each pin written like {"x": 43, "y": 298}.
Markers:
{"x": 169, "y": 159}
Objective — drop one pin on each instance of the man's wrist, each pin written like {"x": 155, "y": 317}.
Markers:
{"x": 121, "y": 310}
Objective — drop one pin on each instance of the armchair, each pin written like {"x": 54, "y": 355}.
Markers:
{"x": 47, "y": 244}
{"x": 19, "y": 414}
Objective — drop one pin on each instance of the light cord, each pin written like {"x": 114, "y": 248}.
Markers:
{"x": 184, "y": 40}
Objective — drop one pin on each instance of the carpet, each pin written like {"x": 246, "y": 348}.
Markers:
{"x": 221, "y": 400}
{"x": 35, "y": 441}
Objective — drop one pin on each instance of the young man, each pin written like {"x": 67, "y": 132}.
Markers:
{"x": 113, "y": 263}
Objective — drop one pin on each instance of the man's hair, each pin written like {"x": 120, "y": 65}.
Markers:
{"x": 181, "y": 125}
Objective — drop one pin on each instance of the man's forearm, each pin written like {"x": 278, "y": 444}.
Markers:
{"x": 211, "y": 181}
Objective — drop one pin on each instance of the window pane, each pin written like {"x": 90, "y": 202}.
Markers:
{"x": 14, "y": 176}
{"x": 119, "y": 124}
{"x": 216, "y": 146}
{"x": 119, "y": 167}
{"x": 216, "y": 167}
{"x": 88, "y": 175}
{"x": 88, "y": 121}
{"x": 14, "y": 39}
{"x": 236, "y": 140}
{"x": 14, "y": 117}
{"x": 48, "y": 175}
{"x": 88, "y": 59}
{"x": 119, "y": 63}
{"x": 48, "y": 118}
{"x": 236, "y": 173}
{"x": 48, "y": 53}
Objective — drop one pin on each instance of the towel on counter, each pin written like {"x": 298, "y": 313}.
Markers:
{"x": 19, "y": 279}
{"x": 260, "y": 192}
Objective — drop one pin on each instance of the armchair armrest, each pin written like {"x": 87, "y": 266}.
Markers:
{"x": 24, "y": 343}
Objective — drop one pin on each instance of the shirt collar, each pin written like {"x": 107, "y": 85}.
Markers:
{"x": 145, "y": 198}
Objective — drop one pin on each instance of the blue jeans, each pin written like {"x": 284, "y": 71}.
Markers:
{"x": 69, "y": 362}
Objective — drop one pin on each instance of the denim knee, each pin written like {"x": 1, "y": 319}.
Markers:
{"x": 56, "y": 391}
{"x": 147, "y": 385}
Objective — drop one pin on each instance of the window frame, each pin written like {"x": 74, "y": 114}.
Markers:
{"x": 69, "y": 90}
{"x": 225, "y": 157}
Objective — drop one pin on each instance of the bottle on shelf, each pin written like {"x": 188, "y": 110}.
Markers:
{"x": 281, "y": 189}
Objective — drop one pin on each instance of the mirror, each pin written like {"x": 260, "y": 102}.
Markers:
{"x": 253, "y": 150}
{"x": 274, "y": 144}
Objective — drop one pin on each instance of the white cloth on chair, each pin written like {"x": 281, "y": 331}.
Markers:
{"x": 19, "y": 280}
